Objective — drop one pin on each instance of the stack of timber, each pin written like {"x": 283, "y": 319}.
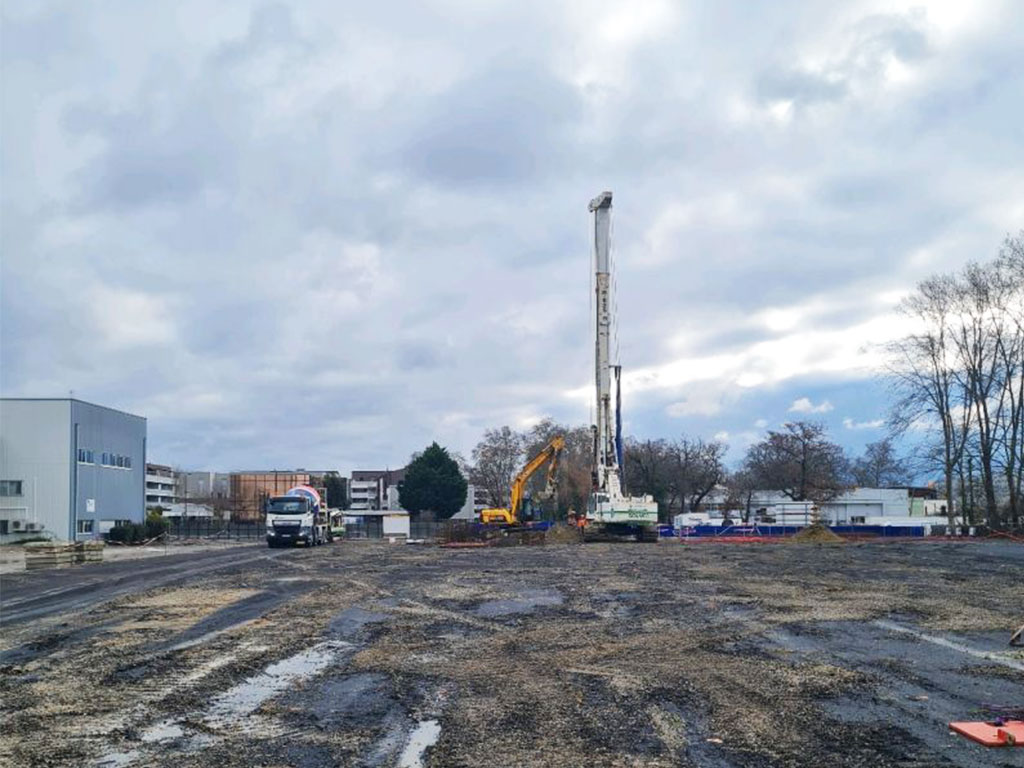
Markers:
{"x": 48, "y": 554}
{"x": 89, "y": 551}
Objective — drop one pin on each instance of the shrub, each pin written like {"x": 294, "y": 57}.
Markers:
{"x": 136, "y": 533}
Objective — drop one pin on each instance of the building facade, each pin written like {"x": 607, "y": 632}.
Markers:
{"x": 250, "y": 490}
{"x": 69, "y": 469}
{"x": 161, "y": 486}
{"x": 870, "y": 506}
{"x": 374, "y": 489}
{"x": 203, "y": 486}
{"x": 476, "y": 500}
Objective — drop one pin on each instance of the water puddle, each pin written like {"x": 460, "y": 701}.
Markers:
{"x": 422, "y": 737}
{"x": 525, "y": 603}
{"x": 118, "y": 759}
{"x": 235, "y": 704}
{"x": 246, "y": 697}
{"x": 165, "y": 730}
{"x": 351, "y": 620}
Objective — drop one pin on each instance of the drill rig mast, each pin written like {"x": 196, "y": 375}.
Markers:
{"x": 608, "y": 505}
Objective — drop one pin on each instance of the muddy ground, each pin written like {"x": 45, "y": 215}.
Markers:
{"x": 603, "y": 654}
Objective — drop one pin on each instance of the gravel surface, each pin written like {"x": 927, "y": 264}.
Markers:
{"x": 560, "y": 655}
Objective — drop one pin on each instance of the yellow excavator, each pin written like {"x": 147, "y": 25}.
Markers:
{"x": 510, "y": 515}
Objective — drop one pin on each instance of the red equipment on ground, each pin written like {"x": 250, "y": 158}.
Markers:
{"x": 1007, "y": 733}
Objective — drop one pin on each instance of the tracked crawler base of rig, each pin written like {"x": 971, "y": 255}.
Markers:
{"x": 609, "y": 509}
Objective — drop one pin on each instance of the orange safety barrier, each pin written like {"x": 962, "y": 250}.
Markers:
{"x": 1008, "y": 734}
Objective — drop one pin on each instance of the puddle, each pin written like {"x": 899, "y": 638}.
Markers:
{"x": 525, "y": 603}
{"x": 246, "y": 697}
{"x": 361, "y": 699}
{"x": 165, "y": 730}
{"x": 118, "y": 759}
{"x": 351, "y": 620}
{"x": 423, "y": 736}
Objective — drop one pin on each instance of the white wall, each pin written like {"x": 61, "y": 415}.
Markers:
{"x": 35, "y": 447}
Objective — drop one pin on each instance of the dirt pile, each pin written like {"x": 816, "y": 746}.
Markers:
{"x": 562, "y": 533}
{"x": 817, "y": 533}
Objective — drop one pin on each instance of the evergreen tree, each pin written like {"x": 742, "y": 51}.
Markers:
{"x": 433, "y": 483}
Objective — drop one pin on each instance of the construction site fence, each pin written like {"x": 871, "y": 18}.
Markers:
{"x": 427, "y": 530}
{"x": 437, "y": 531}
{"x": 213, "y": 528}
{"x": 846, "y": 531}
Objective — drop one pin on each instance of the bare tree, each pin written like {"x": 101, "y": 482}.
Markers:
{"x": 880, "y": 467}
{"x": 923, "y": 376}
{"x": 740, "y": 487}
{"x": 697, "y": 468}
{"x": 799, "y": 462}
{"x": 961, "y": 375}
{"x": 496, "y": 460}
{"x": 649, "y": 469}
{"x": 1009, "y": 276}
{"x": 574, "y": 466}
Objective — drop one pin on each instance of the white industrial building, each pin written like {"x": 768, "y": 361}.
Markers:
{"x": 858, "y": 506}
{"x": 69, "y": 469}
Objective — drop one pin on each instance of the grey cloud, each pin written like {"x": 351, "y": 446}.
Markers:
{"x": 873, "y": 39}
{"x": 354, "y": 257}
{"x": 800, "y": 87}
{"x": 508, "y": 124}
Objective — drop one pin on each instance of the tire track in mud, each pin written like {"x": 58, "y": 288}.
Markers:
{"x": 79, "y": 597}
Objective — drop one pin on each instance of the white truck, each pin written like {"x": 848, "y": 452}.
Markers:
{"x": 297, "y": 517}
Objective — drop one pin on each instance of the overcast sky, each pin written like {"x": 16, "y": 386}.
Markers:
{"x": 324, "y": 234}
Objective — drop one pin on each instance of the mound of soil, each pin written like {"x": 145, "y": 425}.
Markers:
{"x": 817, "y": 533}
{"x": 562, "y": 533}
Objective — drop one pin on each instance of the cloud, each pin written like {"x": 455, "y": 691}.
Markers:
{"x": 315, "y": 234}
{"x": 804, "y": 405}
{"x": 871, "y": 424}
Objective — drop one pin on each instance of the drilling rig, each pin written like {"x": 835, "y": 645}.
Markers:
{"x": 609, "y": 509}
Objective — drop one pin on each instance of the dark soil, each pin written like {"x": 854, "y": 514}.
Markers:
{"x": 559, "y": 655}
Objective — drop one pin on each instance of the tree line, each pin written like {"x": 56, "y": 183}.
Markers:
{"x": 798, "y": 460}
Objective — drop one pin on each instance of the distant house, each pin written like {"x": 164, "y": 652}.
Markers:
{"x": 161, "y": 485}
{"x": 374, "y": 489}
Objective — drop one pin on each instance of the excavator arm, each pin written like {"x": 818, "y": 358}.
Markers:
{"x": 510, "y": 516}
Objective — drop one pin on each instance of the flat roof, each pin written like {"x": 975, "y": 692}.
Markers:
{"x": 69, "y": 400}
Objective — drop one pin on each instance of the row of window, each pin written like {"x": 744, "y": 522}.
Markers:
{"x": 89, "y": 526}
{"x": 10, "y": 487}
{"x": 88, "y": 456}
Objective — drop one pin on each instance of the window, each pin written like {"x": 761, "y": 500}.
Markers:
{"x": 127, "y": 462}
{"x": 81, "y": 455}
{"x": 10, "y": 487}
{"x": 120, "y": 460}
{"x": 3, "y": 528}
{"x": 857, "y": 520}
{"x": 85, "y": 526}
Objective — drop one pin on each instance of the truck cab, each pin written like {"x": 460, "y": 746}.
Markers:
{"x": 294, "y": 519}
